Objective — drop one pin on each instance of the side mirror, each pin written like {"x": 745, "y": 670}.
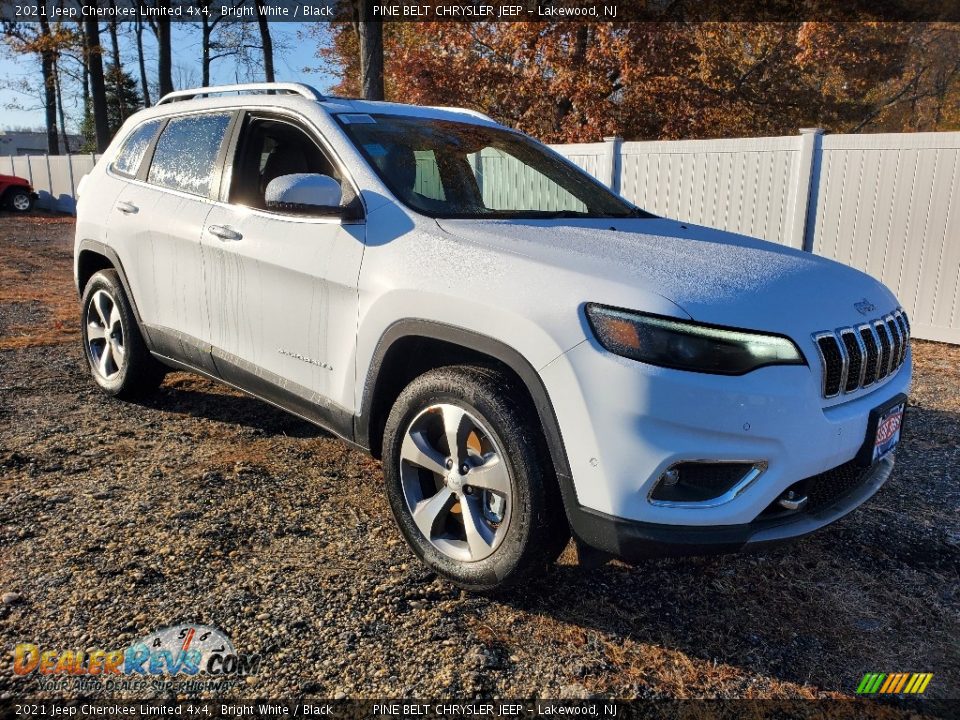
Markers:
{"x": 304, "y": 193}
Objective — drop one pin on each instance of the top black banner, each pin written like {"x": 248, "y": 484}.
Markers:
{"x": 612, "y": 11}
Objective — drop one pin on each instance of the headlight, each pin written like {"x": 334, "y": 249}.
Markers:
{"x": 687, "y": 345}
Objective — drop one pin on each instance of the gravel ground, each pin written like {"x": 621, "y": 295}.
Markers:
{"x": 202, "y": 505}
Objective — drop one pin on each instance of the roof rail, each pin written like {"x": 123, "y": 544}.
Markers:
{"x": 287, "y": 87}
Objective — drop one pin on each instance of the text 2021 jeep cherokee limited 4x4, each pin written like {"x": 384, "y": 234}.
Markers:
{"x": 528, "y": 353}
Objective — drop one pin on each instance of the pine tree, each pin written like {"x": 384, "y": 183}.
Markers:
{"x": 123, "y": 97}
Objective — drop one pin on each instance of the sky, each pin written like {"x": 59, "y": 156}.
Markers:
{"x": 293, "y": 52}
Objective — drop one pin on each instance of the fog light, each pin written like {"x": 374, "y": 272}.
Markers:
{"x": 704, "y": 482}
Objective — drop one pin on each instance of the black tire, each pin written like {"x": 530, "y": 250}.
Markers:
{"x": 138, "y": 372}
{"x": 537, "y": 530}
{"x": 20, "y": 201}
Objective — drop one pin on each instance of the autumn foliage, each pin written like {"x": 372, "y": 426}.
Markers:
{"x": 569, "y": 81}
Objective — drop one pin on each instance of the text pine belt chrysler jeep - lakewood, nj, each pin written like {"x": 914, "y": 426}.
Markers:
{"x": 529, "y": 354}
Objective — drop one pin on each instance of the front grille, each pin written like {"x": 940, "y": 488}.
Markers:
{"x": 856, "y": 357}
{"x": 825, "y": 488}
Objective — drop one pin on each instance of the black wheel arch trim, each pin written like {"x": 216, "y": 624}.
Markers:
{"x": 580, "y": 521}
{"x": 100, "y": 249}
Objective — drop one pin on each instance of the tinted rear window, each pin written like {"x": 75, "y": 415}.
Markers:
{"x": 128, "y": 159}
{"x": 187, "y": 151}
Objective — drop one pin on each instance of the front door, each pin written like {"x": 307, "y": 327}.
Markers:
{"x": 282, "y": 288}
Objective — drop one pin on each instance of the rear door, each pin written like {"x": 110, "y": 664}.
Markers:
{"x": 160, "y": 215}
{"x": 282, "y": 287}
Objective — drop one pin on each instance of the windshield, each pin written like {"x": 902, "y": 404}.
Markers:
{"x": 452, "y": 169}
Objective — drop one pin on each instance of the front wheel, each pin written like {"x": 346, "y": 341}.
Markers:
{"x": 118, "y": 358}
{"x": 469, "y": 480}
{"x": 20, "y": 201}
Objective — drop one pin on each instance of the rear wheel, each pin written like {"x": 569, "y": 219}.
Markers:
{"x": 118, "y": 358}
{"x": 469, "y": 481}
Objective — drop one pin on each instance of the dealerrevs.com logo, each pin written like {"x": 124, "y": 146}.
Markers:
{"x": 180, "y": 657}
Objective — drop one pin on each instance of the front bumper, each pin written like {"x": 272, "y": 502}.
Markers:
{"x": 632, "y": 541}
{"x": 623, "y": 423}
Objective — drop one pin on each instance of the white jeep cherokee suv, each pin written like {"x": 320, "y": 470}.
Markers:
{"x": 529, "y": 354}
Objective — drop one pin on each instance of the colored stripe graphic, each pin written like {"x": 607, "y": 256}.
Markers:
{"x": 894, "y": 683}
{"x": 903, "y": 681}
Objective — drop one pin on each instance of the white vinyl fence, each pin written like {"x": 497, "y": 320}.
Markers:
{"x": 54, "y": 177}
{"x": 886, "y": 204}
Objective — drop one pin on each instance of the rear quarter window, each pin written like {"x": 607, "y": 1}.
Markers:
{"x": 131, "y": 153}
{"x": 186, "y": 152}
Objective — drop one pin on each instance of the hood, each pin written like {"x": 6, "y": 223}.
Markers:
{"x": 714, "y": 276}
{"x": 13, "y": 180}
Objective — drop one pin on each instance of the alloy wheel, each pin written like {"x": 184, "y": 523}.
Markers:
{"x": 105, "y": 336}
{"x": 21, "y": 202}
{"x": 456, "y": 482}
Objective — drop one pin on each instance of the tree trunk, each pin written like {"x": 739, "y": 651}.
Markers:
{"x": 86, "y": 64}
{"x": 206, "y": 30}
{"x": 47, "y": 59}
{"x": 265, "y": 42}
{"x": 98, "y": 90}
{"x": 138, "y": 28}
{"x": 371, "y": 53}
{"x": 165, "y": 64}
{"x": 63, "y": 120}
{"x": 117, "y": 67}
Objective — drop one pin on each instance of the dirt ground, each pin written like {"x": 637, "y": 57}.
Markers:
{"x": 202, "y": 505}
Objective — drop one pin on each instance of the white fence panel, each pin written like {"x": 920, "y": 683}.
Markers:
{"x": 744, "y": 186}
{"x": 54, "y": 177}
{"x": 887, "y": 204}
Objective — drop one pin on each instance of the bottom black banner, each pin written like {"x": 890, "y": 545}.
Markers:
{"x": 482, "y": 709}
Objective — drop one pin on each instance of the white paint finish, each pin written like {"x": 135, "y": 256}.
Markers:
{"x": 631, "y": 421}
{"x": 287, "y": 284}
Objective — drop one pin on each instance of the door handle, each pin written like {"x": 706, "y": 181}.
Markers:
{"x": 127, "y": 208}
{"x": 224, "y": 233}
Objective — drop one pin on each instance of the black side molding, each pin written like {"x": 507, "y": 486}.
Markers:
{"x": 488, "y": 346}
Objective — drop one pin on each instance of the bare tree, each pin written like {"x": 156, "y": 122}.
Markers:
{"x": 117, "y": 68}
{"x": 60, "y": 112}
{"x": 371, "y": 52}
{"x": 265, "y": 41}
{"x": 161, "y": 29}
{"x": 23, "y": 39}
{"x": 138, "y": 32}
{"x": 98, "y": 90}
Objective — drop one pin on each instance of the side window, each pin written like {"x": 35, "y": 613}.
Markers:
{"x": 270, "y": 148}
{"x": 186, "y": 152}
{"x": 131, "y": 153}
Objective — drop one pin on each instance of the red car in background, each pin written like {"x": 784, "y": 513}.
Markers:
{"x": 16, "y": 193}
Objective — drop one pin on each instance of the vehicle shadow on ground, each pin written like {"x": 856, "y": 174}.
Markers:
{"x": 191, "y": 395}
{"x": 815, "y": 612}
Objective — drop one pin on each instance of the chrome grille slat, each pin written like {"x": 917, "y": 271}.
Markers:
{"x": 856, "y": 357}
{"x": 897, "y": 351}
{"x": 855, "y": 350}
{"x": 869, "y": 337}
{"x": 886, "y": 348}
